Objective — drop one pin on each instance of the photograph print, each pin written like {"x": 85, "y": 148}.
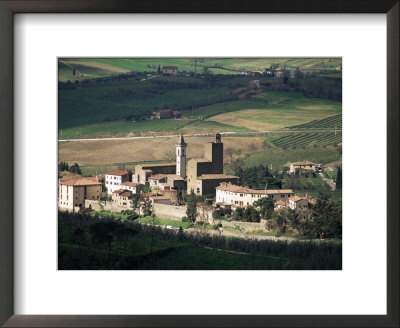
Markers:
{"x": 200, "y": 163}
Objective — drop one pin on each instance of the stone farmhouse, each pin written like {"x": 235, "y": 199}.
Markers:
{"x": 122, "y": 199}
{"x": 144, "y": 171}
{"x": 161, "y": 114}
{"x": 170, "y": 70}
{"x": 74, "y": 189}
{"x": 205, "y": 174}
{"x": 238, "y": 196}
{"x": 296, "y": 202}
{"x": 306, "y": 166}
{"x": 134, "y": 187}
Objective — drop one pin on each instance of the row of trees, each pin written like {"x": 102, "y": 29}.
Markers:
{"x": 63, "y": 166}
{"x": 323, "y": 220}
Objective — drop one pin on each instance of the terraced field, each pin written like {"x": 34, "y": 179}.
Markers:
{"x": 329, "y": 122}
{"x": 304, "y": 140}
{"x": 215, "y": 65}
{"x": 279, "y": 158}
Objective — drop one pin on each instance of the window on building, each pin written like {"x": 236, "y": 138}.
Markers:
{"x": 198, "y": 190}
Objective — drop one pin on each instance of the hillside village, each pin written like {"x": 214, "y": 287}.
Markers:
{"x": 160, "y": 188}
{"x": 199, "y": 163}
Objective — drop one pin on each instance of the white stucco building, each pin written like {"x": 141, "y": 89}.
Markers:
{"x": 114, "y": 180}
{"x": 133, "y": 187}
{"x": 238, "y": 196}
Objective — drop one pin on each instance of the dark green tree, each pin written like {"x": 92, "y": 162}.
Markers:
{"x": 326, "y": 218}
{"x": 75, "y": 169}
{"x": 191, "y": 210}
{"x": 266, "y": 206}
{"x": 339, "y": 179}
{"x": 79, "y": 237}
{"x": 238, "y": 214}
{"x": 250, "y": 214}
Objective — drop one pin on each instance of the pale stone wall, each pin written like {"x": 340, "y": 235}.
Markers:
{"x": 244, "y": 226}
{"x": 65, "y": 197}
{"x": 172, "y": 212}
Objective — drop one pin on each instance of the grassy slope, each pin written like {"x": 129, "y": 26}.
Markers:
{"x": 119, "y": 128}
{"x": 88, "y": 105}
{"x": 291, "y": 110}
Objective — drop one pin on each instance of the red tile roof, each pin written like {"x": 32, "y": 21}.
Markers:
{"x": 240, "y": 189}
{"x": 130, "y": 184}
{"x": 119, "y": 173}
{"x": 78, "y": 180}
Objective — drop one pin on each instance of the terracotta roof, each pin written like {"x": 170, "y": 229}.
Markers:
{"x": 232, "y": 188}
{"x": 123, "y": 193}
{"x": 77, "y": 180}
{"x": 240, "y": 189}
{"x": 130, "y": 184}
{"x": 157, "y": 177}
{"x": 216, "y": 177}
{"x": 281, "y": 202}
{"x": 165, "y": 184}
{"x": 119, "y": 173}
{"x": 175, "y": 177}
{"x": 296, "y": 198}
{"x": 272, "y": 191}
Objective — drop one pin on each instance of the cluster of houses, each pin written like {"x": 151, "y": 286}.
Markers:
{"x": 165, "y": 183}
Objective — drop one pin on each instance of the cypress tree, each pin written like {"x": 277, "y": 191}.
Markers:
{"x": 339, "y": 179}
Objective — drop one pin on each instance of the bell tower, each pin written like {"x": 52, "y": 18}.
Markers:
{"x": 181, "y": 157}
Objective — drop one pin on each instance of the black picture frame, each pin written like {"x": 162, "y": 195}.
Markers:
{"x": 10, "y": 7}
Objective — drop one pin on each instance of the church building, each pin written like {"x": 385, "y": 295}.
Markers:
{"x": 205, "y": 174}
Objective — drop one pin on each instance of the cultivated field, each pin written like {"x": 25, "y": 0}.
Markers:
{"x": 95, "y": 67}
{"x": 104, "y": 155}
{"x": 280, "y": 158}
{"x": 310, "y": 139}
{"x": 281, "y": 113}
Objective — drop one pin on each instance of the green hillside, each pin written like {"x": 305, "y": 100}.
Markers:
{"x": 123, "y": 103}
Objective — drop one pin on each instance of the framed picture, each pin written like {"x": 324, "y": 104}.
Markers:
{"x": 47, "y": 59}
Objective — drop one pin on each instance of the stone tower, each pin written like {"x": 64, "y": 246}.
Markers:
{"x": 181, "y": 157}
